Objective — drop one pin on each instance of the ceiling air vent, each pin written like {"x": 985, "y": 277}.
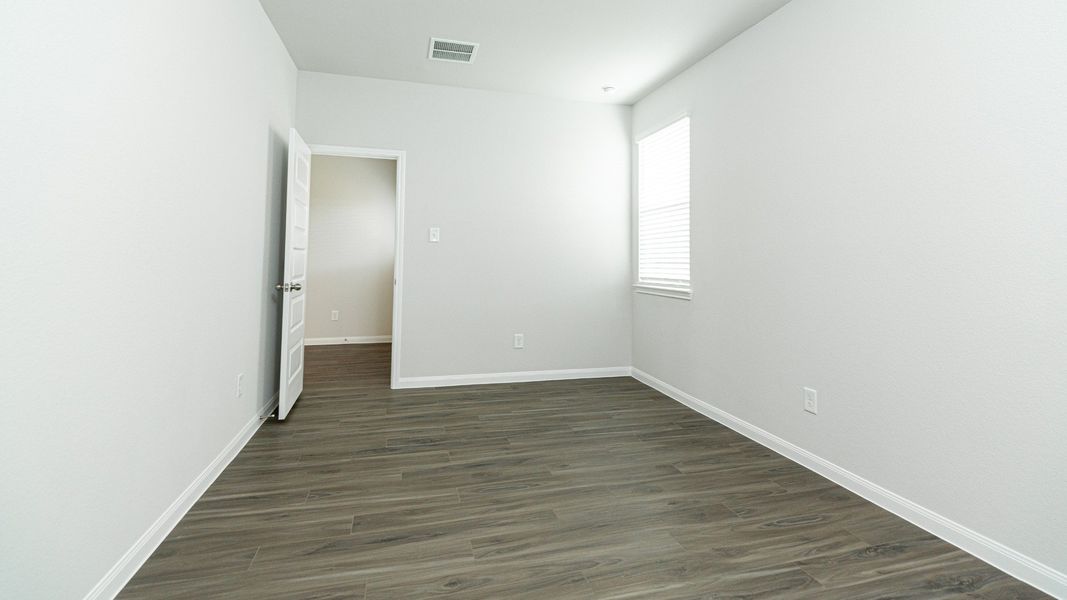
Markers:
{"x": 452, "y": 50}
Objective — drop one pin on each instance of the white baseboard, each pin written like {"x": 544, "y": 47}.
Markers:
{"x": 115, "y": 579}
{"x": 1000, "y": 556}
{"x": 514, "y": 377}
{"x": 357, "y": 339}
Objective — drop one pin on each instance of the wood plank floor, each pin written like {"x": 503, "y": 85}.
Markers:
{"x": 575, "y": 489}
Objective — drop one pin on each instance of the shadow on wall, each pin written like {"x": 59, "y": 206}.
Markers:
{"x": 273, "y": 254}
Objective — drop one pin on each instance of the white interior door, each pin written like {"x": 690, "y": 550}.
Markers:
{"x": 297, "y": 207}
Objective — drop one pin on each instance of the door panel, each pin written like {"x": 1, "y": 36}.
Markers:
{"x": 297, "y": 212}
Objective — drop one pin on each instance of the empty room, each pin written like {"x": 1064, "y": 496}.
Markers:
{"x": 524, "y": 299}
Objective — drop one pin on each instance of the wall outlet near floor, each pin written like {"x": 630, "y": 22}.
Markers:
{"x": 811, "y": 401}
{"x": 520, "y": 341}
{"x": 335, "y": 314}
{"x": 240, "y": 385}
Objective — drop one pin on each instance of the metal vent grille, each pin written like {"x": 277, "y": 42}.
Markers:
{"x": 452, "y": 50}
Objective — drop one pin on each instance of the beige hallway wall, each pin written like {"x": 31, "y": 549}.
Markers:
{"x": 351, "y": 247}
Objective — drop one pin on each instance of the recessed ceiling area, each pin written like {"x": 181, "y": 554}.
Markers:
{"x": 562, "y": 48}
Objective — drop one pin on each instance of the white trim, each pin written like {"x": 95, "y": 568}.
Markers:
{"x": 352, "y": 339}
{"x": 513, "y": 377}
{"x": 398, "y": 268}
{"x": 667, "y": 292}
{"x": 400, "y": 156}
{"x": 354, "y": 152}
{"x": 665, "y": 124}
{"x": 1000, "y": 556}
{"x": 127, "y": 566}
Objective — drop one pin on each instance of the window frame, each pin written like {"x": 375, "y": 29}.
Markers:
{"x": 637, "y": 285}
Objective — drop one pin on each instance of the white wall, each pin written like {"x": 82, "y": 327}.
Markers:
{"x": 351, "y": 246}
{"x": 143, "y": 163}
{"x": 879, "y": 213}
{"x": 532, "y": 198}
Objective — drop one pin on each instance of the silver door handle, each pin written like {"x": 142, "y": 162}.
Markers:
{"x": 289, "y": 287}
{"x": 282, "y": 287}
{"x": 296, "y": 287}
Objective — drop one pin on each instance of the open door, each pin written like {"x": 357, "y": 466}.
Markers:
{"x": 297, "y": 207}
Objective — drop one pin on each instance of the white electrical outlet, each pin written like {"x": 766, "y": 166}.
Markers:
{"x": 811, "y": 401}
{"x": 435, "y": 234}
{"x": 240, "y": 384}
{"x": 335, "y": 314}
{"x": 520, "y": 341}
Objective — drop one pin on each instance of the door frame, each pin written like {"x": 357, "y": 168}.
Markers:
{"x": 400, "y": 156}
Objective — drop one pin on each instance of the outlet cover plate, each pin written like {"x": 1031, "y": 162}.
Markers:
{"x": 811, "y": 401}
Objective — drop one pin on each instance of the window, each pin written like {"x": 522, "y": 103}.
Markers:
{"x": 663, "y": 211}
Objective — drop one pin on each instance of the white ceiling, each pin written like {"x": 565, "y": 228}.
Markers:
{"x": 562, "y": 48}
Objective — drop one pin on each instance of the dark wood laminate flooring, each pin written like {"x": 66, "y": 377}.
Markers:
{"x": 573, "y": 489}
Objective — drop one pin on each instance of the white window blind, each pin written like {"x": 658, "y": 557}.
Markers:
{"x": 663, "y": 209}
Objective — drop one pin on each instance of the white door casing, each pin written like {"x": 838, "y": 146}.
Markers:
{"x": 292, "y": 288}
{"x": 400, "y": 157}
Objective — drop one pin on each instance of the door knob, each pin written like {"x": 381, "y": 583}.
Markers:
{"x": 283, "y": 287}
{"x": 296, "y": 287}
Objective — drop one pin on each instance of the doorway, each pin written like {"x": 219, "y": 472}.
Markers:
{"x": 355, "y": 242}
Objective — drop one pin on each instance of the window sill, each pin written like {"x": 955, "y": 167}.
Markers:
{"x": 666, "y": 292}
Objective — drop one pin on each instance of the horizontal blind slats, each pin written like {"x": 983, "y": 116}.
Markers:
{"x": 663, "y": 207}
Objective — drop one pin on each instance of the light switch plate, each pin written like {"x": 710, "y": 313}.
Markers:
{"x": 435, "y": 234}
